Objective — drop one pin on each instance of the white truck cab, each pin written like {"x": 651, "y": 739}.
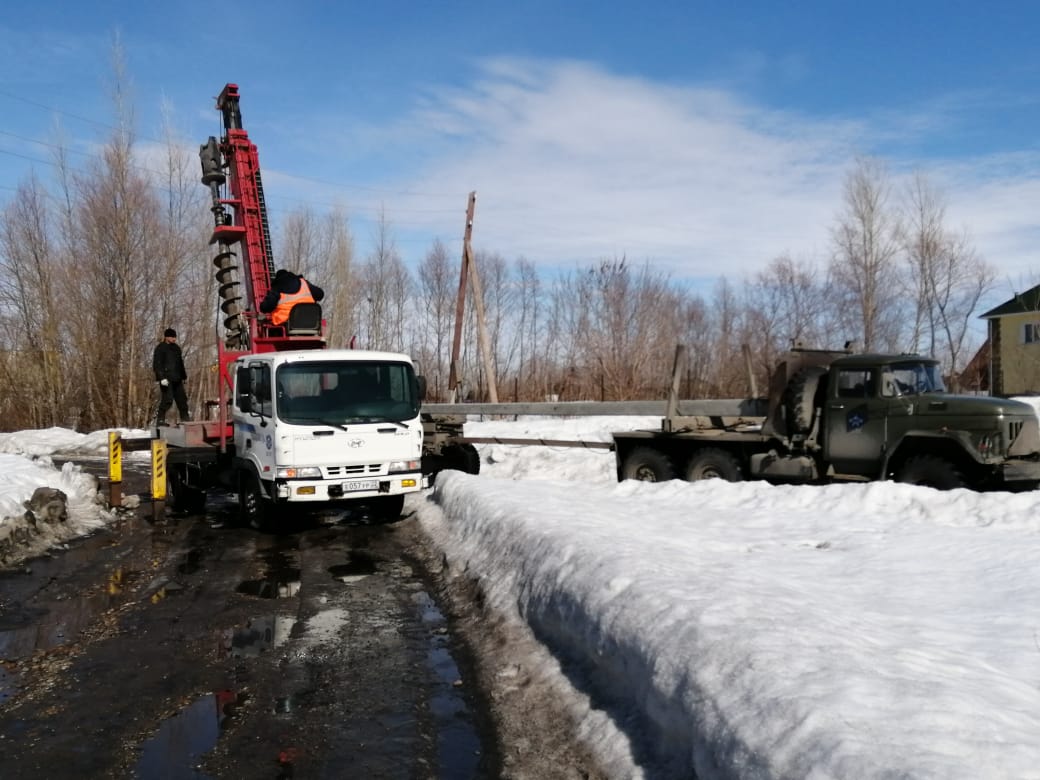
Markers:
{"x": 325, "y": 426}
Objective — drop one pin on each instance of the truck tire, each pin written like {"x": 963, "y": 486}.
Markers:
{"x": 931, "y": 471}
{"x": 388, "y": 509}
{"x": 713, "y": 463}
{"x": 255, "y": 511}
{"x": 648, "y": 465}
{"x": 463, "y": 457}
{"x": 183, "y": 498}
{"x": 800, "y": 399}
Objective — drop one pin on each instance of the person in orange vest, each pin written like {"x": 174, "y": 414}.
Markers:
{"x": 287, "y": 290}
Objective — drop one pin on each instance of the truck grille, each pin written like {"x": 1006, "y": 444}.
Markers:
{"x": 346, "y": 471}
{"x": 1023, "y": 437}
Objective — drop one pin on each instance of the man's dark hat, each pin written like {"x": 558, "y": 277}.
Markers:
{"x": 170, "y": 333}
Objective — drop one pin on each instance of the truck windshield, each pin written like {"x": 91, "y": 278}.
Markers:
{"x": 339, "y": 393}
{"x": 912, "y": 378}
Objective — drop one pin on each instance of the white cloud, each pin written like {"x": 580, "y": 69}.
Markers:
{"x": 572, "y": 164}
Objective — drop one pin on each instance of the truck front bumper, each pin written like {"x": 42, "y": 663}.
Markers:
{"x": 324, "y": 490}
{"x": 1020, "y": 471}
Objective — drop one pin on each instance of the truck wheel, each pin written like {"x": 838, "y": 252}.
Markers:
{"x": 182, "y": 497}
{"x": 931, "y": 471}
{"x": 388, "y": 509}
{"x": 648, "y": 465}
{"x": 800, "y": 399}
{"x": 255, "y": 511}
{"x": 713, "y": 463}
{"x": 463, "y": 457}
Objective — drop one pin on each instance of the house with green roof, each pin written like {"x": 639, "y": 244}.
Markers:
{"x": 1014, "y": 345}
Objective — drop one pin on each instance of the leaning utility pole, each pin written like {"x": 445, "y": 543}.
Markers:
{"x": 469, "y": 269}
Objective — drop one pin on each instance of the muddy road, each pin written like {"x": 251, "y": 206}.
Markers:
{"x": 195, "y": 648}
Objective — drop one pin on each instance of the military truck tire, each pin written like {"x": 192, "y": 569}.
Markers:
{"x": 647, "y": 465}
{"x": 713, "y": 463}
{"x": 931, "y": 471}
{"x": 800, "y": 399}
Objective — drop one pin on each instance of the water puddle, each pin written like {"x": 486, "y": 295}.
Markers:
{"x": 257, "y": 636}
{"x": 280, "y": 581}
{"x": 191, "y": 562}
{"x": 58, "y": 621}
{"x": 359, "y": 565}
{"x": 8, "y": 683}
{"x": 458, "y": 747}
{"x": 182, "y": 740}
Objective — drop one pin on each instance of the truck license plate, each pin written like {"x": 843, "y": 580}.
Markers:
{"x": 360, "y": 484}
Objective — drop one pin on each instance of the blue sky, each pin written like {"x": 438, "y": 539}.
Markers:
{"x": 705, "y": 138}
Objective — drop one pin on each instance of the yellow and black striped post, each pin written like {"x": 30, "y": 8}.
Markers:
{"x": 158, "y": 478}
{"x": 115, "y": 469}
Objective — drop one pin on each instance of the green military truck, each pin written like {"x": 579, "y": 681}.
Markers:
{"x": 838, "y": 416}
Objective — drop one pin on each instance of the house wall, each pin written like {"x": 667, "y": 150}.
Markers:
{"x": 1017, "y": 363}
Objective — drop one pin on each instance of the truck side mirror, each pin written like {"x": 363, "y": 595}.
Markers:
{"x": 420, "y": 386}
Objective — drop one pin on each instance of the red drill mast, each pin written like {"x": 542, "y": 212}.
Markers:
{"x": 240, "y": 220}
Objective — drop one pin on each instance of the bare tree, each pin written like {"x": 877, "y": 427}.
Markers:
{"x": 864, "y": 268}
{"x": 621, "y": 329}
{"x": 435, "y": 318}
{"x": 182, "y": 282}
{"x": 528, "y": 323}
{"x": 499, "y": 293}
{"x": 694, "y": 331}
{"x": 785, "y": 305}
{"x": 299, "y": 240}
{"x": 337, "y": 277}
{"x": 385, "y": 287}
{"x": 947, "y": 277}
{"x": 30, "y": 308}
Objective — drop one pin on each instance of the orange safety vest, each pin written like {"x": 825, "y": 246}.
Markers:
{"x": 286, "y": 301}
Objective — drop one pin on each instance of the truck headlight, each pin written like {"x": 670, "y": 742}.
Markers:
{"x": 404, "y": 465}
{"x": 989, "y": 444}
{"x": 304, "y": 472}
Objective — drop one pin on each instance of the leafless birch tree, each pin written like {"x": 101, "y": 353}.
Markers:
{"x": 864, "y": 268}
{"x": 946, "y": 275}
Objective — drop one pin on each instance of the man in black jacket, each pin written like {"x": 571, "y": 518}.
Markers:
{"x": 168, "y": 365}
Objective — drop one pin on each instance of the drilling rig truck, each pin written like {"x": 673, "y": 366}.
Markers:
{"x": 296, "y": 424}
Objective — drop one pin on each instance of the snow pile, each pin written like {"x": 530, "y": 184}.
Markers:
{"x": 61, "y": 441}
{"x": 746, "y": 630}
{"x": 20, "y": 537}
{"x": 521, "y": 461}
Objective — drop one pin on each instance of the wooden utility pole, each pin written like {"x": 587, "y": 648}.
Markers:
{"x": 469, "y": 270}
{"x": 460, "y": 305}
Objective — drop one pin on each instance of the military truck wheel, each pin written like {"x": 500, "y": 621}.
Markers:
{"x": 183, "y": 498}
{"x": 648, "y": 465}
{"x": 713, "y": 463}
{"x": 931, "y": 471}
{"x": 800, "y": 399}
{"x": 255, "y": 511}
